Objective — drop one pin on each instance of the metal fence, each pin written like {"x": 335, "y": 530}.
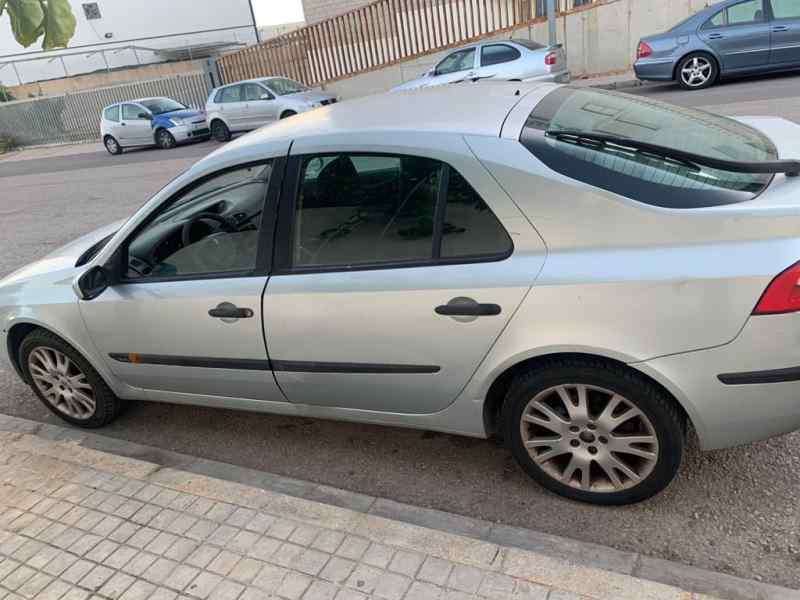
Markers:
{"x": 382, "y": 33}
{"x": 75, "y": 117}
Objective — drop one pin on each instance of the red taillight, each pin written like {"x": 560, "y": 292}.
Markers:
{"x": 643, "y": 51}
{"x": 551, "y": 58}
{"x": 782, "y": 295}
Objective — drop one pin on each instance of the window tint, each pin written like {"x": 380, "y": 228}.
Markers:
{"x": 529, "y": 44}
{"x": 497, "y": 54}
{"x": 462, "y": 60}
{"x": 112, "y": 114}
{"x": 253, "y": 92}
{"x": 647, "y": 177}
{"x": 131, "y": 112}
{"x": 470, "y": 228}
{"x": 230, "y": 94}
{"x": 786, "y": 9}
{"x": 211, "y": 228}
{"x": 718, "y": 20}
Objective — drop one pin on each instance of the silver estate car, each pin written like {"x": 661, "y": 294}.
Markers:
{"x": 505, "y": 60}
{"x": 730, "y": 38}
{"x": 251, "y": 104}
{"x": 582, "y": 273}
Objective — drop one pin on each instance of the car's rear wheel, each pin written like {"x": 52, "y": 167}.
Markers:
{"x": 165, "y": 139}
{"x": 593, "y": 431}
{"x": 220, "y": 131}
{"x": 697, "y": 71}
{"x": 112, "y": 145}
{"x": 287, "y": 113}
{"x": 65, "y": 381}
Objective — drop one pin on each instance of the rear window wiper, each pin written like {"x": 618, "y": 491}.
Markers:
{"x": 790, "y": 167}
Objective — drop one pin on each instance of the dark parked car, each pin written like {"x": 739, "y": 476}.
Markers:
{"x": 729, "y": 38}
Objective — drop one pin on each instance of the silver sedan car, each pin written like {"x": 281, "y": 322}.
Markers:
{"x": 582, "y": 273}
{"x": 500, "y": 60}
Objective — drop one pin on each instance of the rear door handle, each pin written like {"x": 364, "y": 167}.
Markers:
{"x": 781, "y": 28}
{"x": 226, "y": 310}
{"x": 715, "y": 36}
{"x": 467, "y": 307}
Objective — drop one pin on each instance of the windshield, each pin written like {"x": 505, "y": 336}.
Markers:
{"x": 640, "y": 175}
{"x": 159, "y": 106}
{"x": 283, "y": 87}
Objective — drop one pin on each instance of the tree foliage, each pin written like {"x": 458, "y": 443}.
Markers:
{"x": 32, "y": 19}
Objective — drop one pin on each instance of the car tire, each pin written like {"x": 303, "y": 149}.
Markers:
{"x": 697, "y": 71}
{"x": 65, "y": 382}
{"x": 583, "y": 454}
{"x": 220, "y": 131}
{"x": 112, "y": 145}
{"x": 287, "y": 113}
{"x": 165, "y": 140}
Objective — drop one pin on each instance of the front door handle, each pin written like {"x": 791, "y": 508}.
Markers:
{"x": 226, "y": 311}
{"x": 779, "y": 28}
{"x": 467, "y": 307}
{"x": 715, "y": 36}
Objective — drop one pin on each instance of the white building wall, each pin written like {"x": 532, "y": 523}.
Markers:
{"x": 319, "y": 10}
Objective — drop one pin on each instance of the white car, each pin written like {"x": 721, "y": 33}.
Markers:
{"x": 251, "y": 104}
{"x": 508, "y": 60}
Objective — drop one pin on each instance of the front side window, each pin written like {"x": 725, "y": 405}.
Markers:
{"x": 786, "y": 9}
{"x": 462, "y": 60}
{"x": 212, "y": 228}
{"x": 497, "y": 54}
{"x": 112, "y": 114}
{"x": 355, "y": 210}
{"x": 253, "y": 92}
{"x": 284, "y": 87}
{"x": 645, "y": 176}
{"x": 131, "y": 112}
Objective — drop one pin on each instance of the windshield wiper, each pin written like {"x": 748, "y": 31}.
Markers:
{"x": 790, "y": 167}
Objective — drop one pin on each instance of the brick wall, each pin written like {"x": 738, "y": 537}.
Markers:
{"x": 319, "y": 10}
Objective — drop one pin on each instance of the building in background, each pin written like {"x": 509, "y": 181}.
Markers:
{"x": 116, "y": 34}
{"x": 273, "y": 31}
{"x": 319, "y": 10}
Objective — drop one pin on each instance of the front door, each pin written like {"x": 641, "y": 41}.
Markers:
{"x": 458, "y": 66}
{"x": 740, "y": 34}
{"x": 394, "y": 279}
{"x": 262, "y": 108}
{"x": 186, "y": 319}
{"x": 135, "y": 128}
{"x": 785, "y": 33}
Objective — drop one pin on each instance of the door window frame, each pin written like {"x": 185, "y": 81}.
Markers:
{"x": 779, "y": 19}
{"x": 266, "y": 233}
{"x": 283, "y": 261}
{"x": 141, "y": 109}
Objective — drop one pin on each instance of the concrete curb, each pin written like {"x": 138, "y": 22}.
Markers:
{"x": 574, "y": 552}
{"x": 616, "y": 85}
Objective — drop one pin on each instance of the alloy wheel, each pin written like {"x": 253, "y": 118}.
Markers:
{"x": 589, "y": 438}
{"x": 165, "y": 140}
{"x": 62, "y": 383}
{"x": 697, "y": 71}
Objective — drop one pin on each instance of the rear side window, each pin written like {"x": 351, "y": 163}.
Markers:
{"x": 751, "y": 11}
{"x": 497, "y": 54}
{"x": 786, "y": 9}
{"x": 356, "y": 210}
{"x": 112, "y": 114}
{"x": 647, "y": 178}
{"x": 230, "y": 94}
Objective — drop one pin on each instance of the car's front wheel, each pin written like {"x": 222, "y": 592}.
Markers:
{"x": 165, "y": 139}
{"x": 65, "y": 381}
{"x": 697, "y": 71}
{"x": 594, "y": 431}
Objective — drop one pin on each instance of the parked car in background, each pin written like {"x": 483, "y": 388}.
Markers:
{"x": 250, "y": 104}
{"x": 548, "y": 264}
{"x": 508, "y": 60}
{"x": 727, "y": 39}
{"x": 161, "y": 122}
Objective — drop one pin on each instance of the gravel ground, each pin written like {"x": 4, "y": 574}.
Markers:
{"x": 734, "y": 511}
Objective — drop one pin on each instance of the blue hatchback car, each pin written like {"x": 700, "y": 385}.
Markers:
{"x": 735, "y": 37}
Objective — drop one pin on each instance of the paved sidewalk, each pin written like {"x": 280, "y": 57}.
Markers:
{"x": 76, "y": 523}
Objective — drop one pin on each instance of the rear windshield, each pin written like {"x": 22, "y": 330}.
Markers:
{"x": 645, "y": 177}
{"x": 529, "y": 44}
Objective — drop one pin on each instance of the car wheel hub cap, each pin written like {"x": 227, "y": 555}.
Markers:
{"x": 696, "y": 72}
{"x": 62, "y": 383}
{"x": 589, "y": 438}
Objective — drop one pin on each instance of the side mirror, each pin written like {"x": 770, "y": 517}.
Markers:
{"x": 267, "y": 97}
{"x": 92, "y": 283}
{"x": 145, "y": 116}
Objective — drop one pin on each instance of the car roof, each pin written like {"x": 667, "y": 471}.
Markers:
{"x": 465, "y": 109}
{"x": 256, "y": 80}
{"x": 136, "y": 101}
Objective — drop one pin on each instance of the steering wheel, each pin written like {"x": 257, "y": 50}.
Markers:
{"x": 186, "y": 234}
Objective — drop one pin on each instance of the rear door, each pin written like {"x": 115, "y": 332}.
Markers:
{"x": 740, "y": 34}
{"x": 235, "y": 111}
{"x": 262, "y": 108}
{"x": 135, "y": 128}
{"x": 394, "y": 278}
{"x": 785, "y": 33}
{"x": 501, "y": 61}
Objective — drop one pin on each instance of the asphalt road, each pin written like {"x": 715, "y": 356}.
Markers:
{"x": 734, "y": 511}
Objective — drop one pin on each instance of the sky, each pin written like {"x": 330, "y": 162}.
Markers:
{"x": 276, "y": 12}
